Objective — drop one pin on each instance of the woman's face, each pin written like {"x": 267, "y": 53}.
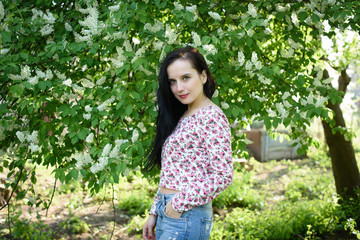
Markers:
{"x": 186, "y": 83}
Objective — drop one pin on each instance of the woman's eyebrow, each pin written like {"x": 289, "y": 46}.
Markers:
{"x": 183, "y": 75}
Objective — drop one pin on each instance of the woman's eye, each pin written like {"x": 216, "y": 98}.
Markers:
{"x": 172, "y": 82}
{"x": 186, "y": 77}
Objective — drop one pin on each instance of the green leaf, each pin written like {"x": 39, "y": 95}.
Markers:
{"x": 16, "y": 90}
{"x": 42, "y": 85}
{"x": 128, "y": 109}
{"x": 74, "y": 173}
{"x": 115, "y": 176}
{"x": 6, "y": 36}
{"x": 82, "y": 134}
{"x": 267, "y": 123}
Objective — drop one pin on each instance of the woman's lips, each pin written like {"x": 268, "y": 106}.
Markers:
{"x": 184, "y": 96}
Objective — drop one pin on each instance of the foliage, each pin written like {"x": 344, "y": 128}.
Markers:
{"x": 240, "y": 194}
{"x": 79, "y": 78}
{"x": 136, "y": 224}
{"x": 134, "y": 202}
{"x": 27, "y": 229}
{"x": 75, "y": 225}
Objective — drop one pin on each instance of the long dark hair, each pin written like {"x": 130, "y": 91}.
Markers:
{"x": 169, "y": 108}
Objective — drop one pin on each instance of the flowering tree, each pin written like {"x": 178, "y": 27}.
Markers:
{"x": 79, "y": 78}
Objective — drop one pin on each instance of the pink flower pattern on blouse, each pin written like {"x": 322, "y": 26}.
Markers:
{"x": 196, "y": 159}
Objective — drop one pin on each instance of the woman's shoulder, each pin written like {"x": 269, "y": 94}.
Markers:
{"x": 211, "y": 113}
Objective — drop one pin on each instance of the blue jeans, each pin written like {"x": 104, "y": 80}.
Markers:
{"x": 194, "y": 224}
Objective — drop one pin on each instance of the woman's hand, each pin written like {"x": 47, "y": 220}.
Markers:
{"x": 149, "y": 227}
{"x": 170, "y": 211}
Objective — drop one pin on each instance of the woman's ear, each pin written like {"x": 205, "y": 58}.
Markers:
{"x": 203, "y": 76}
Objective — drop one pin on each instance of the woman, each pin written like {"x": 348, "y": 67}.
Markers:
{"x": 192, "y": 147}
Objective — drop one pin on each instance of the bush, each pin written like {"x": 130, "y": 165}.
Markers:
{"x": 75, "y": 225}
{"x": 135, "y": 202}
{"x": 240, "y": 194}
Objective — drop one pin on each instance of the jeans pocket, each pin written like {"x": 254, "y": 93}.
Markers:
{"x": 206, "y": 225}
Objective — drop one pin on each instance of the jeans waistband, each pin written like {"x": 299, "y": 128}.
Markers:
{"x": 165, "y": 198}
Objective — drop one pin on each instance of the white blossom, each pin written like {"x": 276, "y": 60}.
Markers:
{"x": 263, "y": 79}
{"x": 281, "y": 110}
{"x": 67, "y": 82}
{"x": 224, "y": 105}
{"x": 285, "y": 95}
{"x": 280, "y": 8}
{"x": 33, "y": 137}
{"x": 135, "y": 40}
{"x": 178, "y": 6}
{"x": 87, "y": 116}
{"x": 101, "y": 80}
{"x": 87, "y": 83}
{"x": 267, "y": 31}
{"x": 127, "y": 45}
{"x": 40, "y": 73}
{"x": 90, "y": 138}
{"x": 196, "y": 39}
{"x": 254, "y": 57}
{"x": 60, "y": 75}
{"x": 4, "y": 51}
{"x": 33, "y": 80}
{"x": 258, "y": 65}
{"x": 91, "y": 21}
{"x": 49, "y": 74}
{"x": 15, "y": 77}
{"x": 102, "y": 107}
{"x": 158, "y": 45}
{"x": 2, "y": 12}
{"x": 106, "y": 150}
{"x": 294, "y": 19}
{"x": 135, "y": 135}
{"x": 20, "y": 136}
{"x": 88, "y": 108}
{"x": 321, "y": 101}
{"x": 215, "y": 16}
{"x": 115, "y": 152}
{"x": 252, "y": 10}
{"x": 34, "y": 148}
{"x": 25, "y": 72}
{"x": 248, "y": 66}
{"x": 114, "y": 8}
{"x": 158, "y": 26}
{"x": 270, "y": 112}
{"x": 191, "y": 9}
{"x": 47, "y": 29}
{"x": 68, "y": 27}
{"x": 294, "y": 44}
{"x": 250, "y": 32}
{"x": 216, "y": 94}
{"x": 241, "y": 58}
{"x": 170, "y": 34}
{"x": 141, "y": 126}
{"x": 210, "y": 48}
{"x": 287, "y": 104}
{"x": 287, "y": 54}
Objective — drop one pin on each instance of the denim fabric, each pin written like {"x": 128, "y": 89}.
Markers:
{"x": 194, "y": 224}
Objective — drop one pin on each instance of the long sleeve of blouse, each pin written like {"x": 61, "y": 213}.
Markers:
{"x": 197, "y": 159}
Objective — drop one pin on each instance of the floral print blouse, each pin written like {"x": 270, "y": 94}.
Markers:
{"x": 196, "y": 159}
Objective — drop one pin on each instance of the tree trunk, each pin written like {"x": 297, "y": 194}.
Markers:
{"x": 344, "y": 166}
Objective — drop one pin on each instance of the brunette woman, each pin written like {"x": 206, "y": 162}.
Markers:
{"x": 192, "y": 147}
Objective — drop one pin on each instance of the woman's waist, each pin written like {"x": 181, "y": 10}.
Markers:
{"x": 166, "y": 190}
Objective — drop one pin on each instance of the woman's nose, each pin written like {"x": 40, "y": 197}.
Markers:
{"x": 179, "y": 86}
